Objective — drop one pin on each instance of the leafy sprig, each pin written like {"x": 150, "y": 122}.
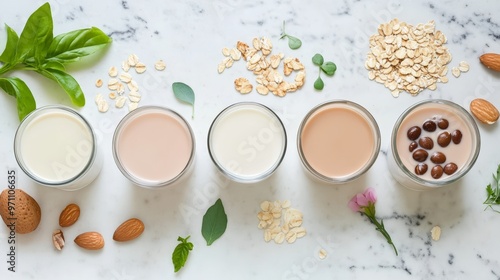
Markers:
{"x": 328, "y": 68}
{"x": 214, "y": 222}
{"x": 293, "y": 42}
{"x": 184, "y": 93}
{"x": 181, "y": 253}
{"x": 37, "y": 50}
{"x": 493, "y": 192}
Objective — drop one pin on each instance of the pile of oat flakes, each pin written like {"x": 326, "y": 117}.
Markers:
{"x": 410, "y": 58}
{"x": 264, "y": 65}
{"x": 280, "y": 222}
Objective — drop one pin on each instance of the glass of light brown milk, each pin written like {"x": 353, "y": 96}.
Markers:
{"x": 338, "y": 141}
{"x": 433, "y": 144}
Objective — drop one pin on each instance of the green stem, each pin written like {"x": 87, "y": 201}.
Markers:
{"x": 381, "y": 229}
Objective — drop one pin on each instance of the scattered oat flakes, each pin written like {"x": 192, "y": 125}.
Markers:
{"x": 263, "y": 65}
{"x": 120, "y": 101}
{"x": 134, "y": 96}
{"x": 140, "y": 68}
{"x": 133, "y": 86}
{"x": 102, "y": 106}
{"x": 463, "y": 66}
{"x": 125, "y": 66}
{"x": 112, "y": 72}
{"x": 322, "y": 254}
{"x": 120, "y": 89}
{"x": 132, "y": 106}
{"x": 436, "y": 233}
{"x": 113, "y": 84}
{"x": 242, "y": 85}
{"x": 98, "y": 83}
{"x": 98, "y": 98}
{"x": 125, "y": 77}
{"x": 160, "y": 65}
{"x": 132, "y": 60}
{"x": 112, "y": 95}
{"x": 408, "y": 58}
{"x": 455, "y": 71}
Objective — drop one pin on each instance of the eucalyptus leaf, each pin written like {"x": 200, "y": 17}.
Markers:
{"x": 9, "y": 53}
{"x": 214, "y": 222}
{"x": 184, "y": 93}
{"x": 181, "y": 253}
{"x": 71, "y": 46}
{"x": 319, "y": 84}
{"x": 36, "y": 36}
{"x": 317, "y": 59}
{"x": 329, "y": 68}
{"x": 18, "y": 89}
{"x": 293, "y": 42}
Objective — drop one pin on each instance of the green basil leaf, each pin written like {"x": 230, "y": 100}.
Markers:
{"x": 317, "y": 59}
{"x": 67, "y": 82}
{"x": 184, "y": 93}
{"x": 293, "y": 42}
{"x": 18, "y": 89}
{"x": 72, "y": 46}
{"x": 319, "y": 84}
{"x": 329, "y": 68}
{"x": 181, "y": 253}
{"x": 214, "y": 222}
{"x": 9, "y": 53}
{"x": 36, "y": 36}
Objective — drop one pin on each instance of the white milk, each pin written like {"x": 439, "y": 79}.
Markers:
{"x": 247, "y": 142}
{"x": 55, "y": 147}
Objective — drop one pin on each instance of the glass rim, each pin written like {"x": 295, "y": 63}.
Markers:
{"x": 363, "y": 169}
{"x": 18, "y": 154}
{"x": 475, "y": 135}
{"x": 138, "y": 181}
{"x": 232, "y": 175}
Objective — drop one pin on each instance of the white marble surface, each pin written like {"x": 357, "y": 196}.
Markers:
{"x": 189, "y": 36}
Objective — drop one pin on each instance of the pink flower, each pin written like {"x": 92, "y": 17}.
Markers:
{"x": 362, "y": 200}
{"x": 365, "y": 204}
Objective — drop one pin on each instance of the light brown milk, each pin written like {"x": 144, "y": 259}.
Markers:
{"x": 337, "y": 141}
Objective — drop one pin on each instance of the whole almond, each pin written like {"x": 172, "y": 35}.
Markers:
{"x": 26, "y": 212}
{"x": 128, "y": 230}
{"x": 491, "y": 60}
{"x": 69, "y": 215}
{"x": 90, "y": 240}
{"x": 484, "y": 111}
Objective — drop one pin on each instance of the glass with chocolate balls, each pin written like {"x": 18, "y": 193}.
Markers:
{"x": 433, "y": 144}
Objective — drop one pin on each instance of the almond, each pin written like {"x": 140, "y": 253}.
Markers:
{"x": 69, "y": 215}
{"x": 484, "y": 111}
{"x": 491, "y": 60}
{"x": 26, "y": 213}
{"x": 90, "y": 240}
{"x": 128, "y": 230}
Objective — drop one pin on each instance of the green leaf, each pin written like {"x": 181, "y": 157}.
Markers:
{"x": 72, "y": 46}
{"x": 181, "y": 253}
{"x": 293, "y": 42}
{"x": 67, "y": 82}
{"x": 317, "y": 59}
{"x": 184, "y": 93}
{"x": 9, "y": 53}
{"x": 319, "y": 84}
{"x": 329, "y": 68}
{"x": 36, "y": 36}
{"x": 214, "y": 222}
{"x": 17, "y": 88}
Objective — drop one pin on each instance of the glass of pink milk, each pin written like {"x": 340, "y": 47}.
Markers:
{"x": 338, "y": 141}
{"x": 153, "y": 146}
{"x": 433, "y": 144}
